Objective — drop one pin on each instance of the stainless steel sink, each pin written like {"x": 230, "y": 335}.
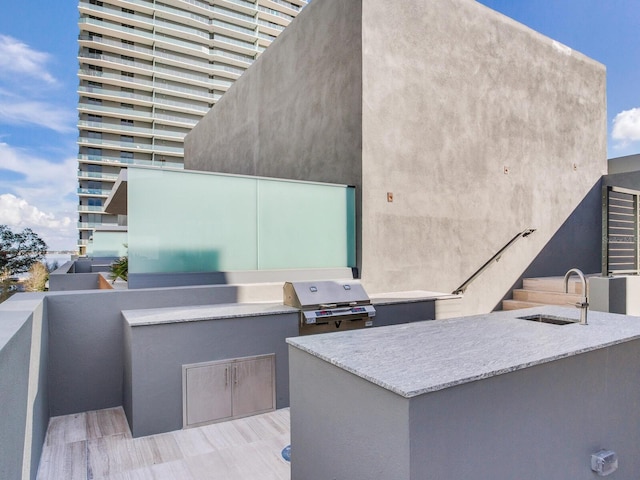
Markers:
{"x": 548, "y": 319}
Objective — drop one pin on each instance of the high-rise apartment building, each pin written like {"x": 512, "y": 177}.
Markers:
{"x": 149, "y": 70}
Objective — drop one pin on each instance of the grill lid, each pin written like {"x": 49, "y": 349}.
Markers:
{"x": 327, "y": 293}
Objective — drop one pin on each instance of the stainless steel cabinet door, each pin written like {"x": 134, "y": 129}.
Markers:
{"x": 208, "y": 393}
{"x": 253, "y": 386}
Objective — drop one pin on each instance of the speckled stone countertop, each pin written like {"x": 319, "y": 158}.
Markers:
{"x": 417, "y": 358}
{"x": 411, "y": 296}
{"x": 154, "y": 316}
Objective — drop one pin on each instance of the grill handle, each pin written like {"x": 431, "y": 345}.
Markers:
{"x": 326, "y": 306}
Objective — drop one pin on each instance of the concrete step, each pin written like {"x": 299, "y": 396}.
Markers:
{"x": 552, "y": 284}
{"x": 518, "y": 304}
{"x": 546, "y": 297}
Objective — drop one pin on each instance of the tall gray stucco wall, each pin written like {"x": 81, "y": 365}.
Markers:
{"x": 480, "y": 127}
{"x": 296, "y": 113}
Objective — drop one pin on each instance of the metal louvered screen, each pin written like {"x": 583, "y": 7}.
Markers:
{"x": 620, "y": 231}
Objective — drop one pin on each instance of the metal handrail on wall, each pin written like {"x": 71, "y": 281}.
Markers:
{"x": 620, "y": 231}
{"x": 523, "y": 234}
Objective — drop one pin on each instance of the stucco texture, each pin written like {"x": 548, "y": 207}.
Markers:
{"x": 479, "y": 127}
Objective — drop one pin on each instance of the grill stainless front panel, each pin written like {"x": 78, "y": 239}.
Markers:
{"x": 327, "y": 306}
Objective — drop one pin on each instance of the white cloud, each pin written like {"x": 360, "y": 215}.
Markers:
{"x": 58, "y": 232}
{"x": 626, "y": 127}
{"x": 38, "y": 113}
{"x": 43, "y": 199}
{"x": 17, "y": 212}
{"x": 17, "y": 57}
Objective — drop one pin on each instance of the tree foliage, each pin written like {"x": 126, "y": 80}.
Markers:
{"x": 18, "y": 251}
{"x": 120, "y": 269}
{"x": 38, "y": 276}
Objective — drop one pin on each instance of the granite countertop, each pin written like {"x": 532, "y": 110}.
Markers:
{"x": 411, "y": 296}
{"x": 154, "y": 316}
{"x": 417, "y": 358}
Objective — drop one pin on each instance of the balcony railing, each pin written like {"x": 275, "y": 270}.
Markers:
{"x": 234, "y": 56}
{"x": 275, "y": 13}
{"x": 120, "y": 61}
{"x": 118, "y": 28}
{"x": 116, "y": 93}
{"x": 90, "y": 208}
{"x": 99, "y": 175}
{"x": 115, "y": 43}
{"x": 112, "y": 76}
{"x": 114, "y": 143}
{"x": 94, "y": 191}
{"x": 176, "y": 103}
{"x": 124, "y": 112}
{"x": 230, "y": 26}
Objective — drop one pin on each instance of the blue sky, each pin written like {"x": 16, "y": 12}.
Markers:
{"x": 38, "y": 97}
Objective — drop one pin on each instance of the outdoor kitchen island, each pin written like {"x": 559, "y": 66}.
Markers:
{"x": 483, "y": 397}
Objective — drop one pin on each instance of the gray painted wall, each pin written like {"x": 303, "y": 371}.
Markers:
{"x": 359, "y": 431}
{"x": 23, "y": 385}
{"x": 447, "y": 95}
{"x": 86, "y": 341}
{"x": 630, "y": 163}
{"x": 153, "y": 387}
{"x": 540, "y": 422}
{"x": 87, "y": 347}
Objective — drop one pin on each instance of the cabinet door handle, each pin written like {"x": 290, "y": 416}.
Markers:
{"x": 235, "y": 375}
{"x": 226, "y": 376}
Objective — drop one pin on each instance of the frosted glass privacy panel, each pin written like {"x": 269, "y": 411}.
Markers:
{"x": 108, "y": 244}
{"x": 190, "y": 222}
{"x": 305, "y": 225}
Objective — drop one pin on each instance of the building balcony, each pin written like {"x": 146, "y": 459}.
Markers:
{"x": 113, "y": 144}
{"x": 115, "y": 79}
{"x": 226, "y": 28}
{"x": 109, "y": 177}
{"x": 116, "y": 95}
{"x": 115, "y": 30}
{"x": 241, "y": 19}
{"x": 176, "y": 75}
{"x": 184, "y": 91}
{"x": 112, "y": 161}
{"x": 88, "y": 225}
{"x": 119, "y": 112}
{"x": 144, "y": 6}
{"x": 274, "y": 16}
{"x": 184, "y": 62}
{"x": 90, "y": 209}
{"x": 238, "y": 60}
{"x": 184, "y": 16}
{"x": 175, "y": 120}
{"x": 115, "y": 14}
{"x": 291, "y": 7}
{"x": 183, "y": 106}
{"x": 93, "y": 192}
{"x": 194, "y": 34}
{"x": 111, "y": 61}
{"x": 241, "y": 5}
{"x": 115, "y": 46}
{"x": 116, "y": 128}
{"x": 223, "y": 41}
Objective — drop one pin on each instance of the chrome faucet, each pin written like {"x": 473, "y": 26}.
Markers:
{"x": 583, "y": 303}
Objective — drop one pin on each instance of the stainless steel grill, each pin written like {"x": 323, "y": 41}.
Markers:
{"x": 329, "y": 306}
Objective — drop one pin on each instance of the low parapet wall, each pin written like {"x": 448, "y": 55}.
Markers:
{"x": 23, "y": 393}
